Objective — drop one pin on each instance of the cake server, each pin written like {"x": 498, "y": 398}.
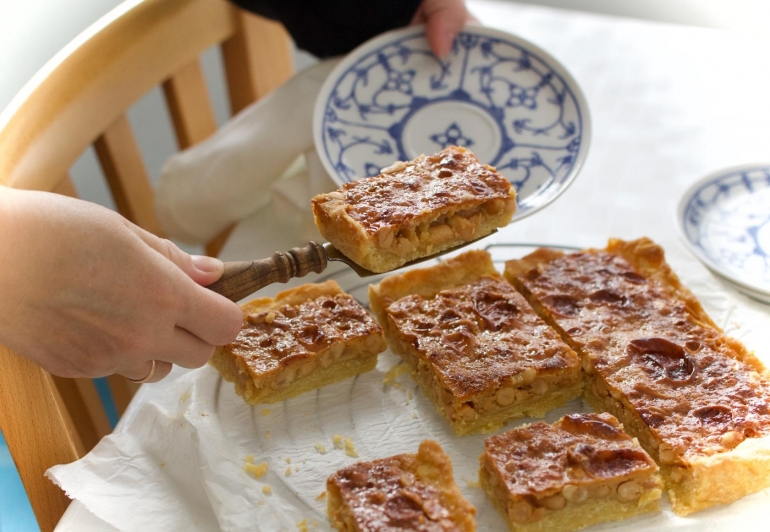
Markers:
{"x": 243, "y": 278}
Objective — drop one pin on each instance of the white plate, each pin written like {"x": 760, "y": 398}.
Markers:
{"x": 502, "y": 97}
{"x": 753, "y": 294}
{"x": 725, "y": 221}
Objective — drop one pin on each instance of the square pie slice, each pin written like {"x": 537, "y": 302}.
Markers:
{"x": 697, "y": 400}
{"x": 475, "y": 346}
{"x": 307, "y": 337}
{"x": 580, "y": 471}
{"x": 404, "y": 492}
{"x": 415, "y": 209}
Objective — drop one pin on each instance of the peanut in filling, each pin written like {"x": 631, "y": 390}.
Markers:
{"x": 528, "y": 510}
{"x": 463, "y": 224}
{"x": 340, "y": 352}
{"x": 498, "y": 400}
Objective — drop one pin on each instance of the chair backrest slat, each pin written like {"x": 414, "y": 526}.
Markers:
{"x": 39, "y": 436}
{"x": 85, "y": 408}
{"x": 123, "y": 391}
{"x": 257, "y": 58}
{"x": 66, "y": 187}
{"x": 123, "y": 167}
{"x": 96, "y": 78}
{"x": 190, "y": 105}
{"x": 215, "y": 245}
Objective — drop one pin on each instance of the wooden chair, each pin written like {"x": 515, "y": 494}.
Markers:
{"x": 80, "y": 99}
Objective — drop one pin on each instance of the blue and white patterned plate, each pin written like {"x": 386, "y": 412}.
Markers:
{"x": 725, "y": 220}
{"x": 502, "y": 97}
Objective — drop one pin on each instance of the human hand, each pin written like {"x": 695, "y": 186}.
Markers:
{"x": 443, "y": 19}
{"x": 85, "y": 293}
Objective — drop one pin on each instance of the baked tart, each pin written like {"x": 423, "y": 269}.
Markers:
{"x": 307, "y": 337}
{"x": 697, "y": 400}
{"x": 415, "y": 209}
{"x": 404, "y": 492}
{"x": 472, "y": 342}
{"x": 580, "y": 471}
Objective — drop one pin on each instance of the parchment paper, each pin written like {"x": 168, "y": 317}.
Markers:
{"x": 181, "y": 464}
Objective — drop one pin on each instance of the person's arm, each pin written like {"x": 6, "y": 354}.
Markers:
{"x": 85, "y": 293}
{"x": 335, "y": 27}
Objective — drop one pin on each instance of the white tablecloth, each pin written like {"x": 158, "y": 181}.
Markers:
{"x": 669, "y": 104}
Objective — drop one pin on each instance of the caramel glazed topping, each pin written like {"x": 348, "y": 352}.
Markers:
{"x": 676, "y": 373}
{"x": 479, "y": 335}
{"x": 278, "y": 337}
{"x": 385, "y": 495}
{"x": 452, "y": 176}
{"x": 540, "y": 459}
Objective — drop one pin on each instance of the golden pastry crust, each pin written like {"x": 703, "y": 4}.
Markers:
{"x": 473, "y": 344}
{"x": 404, "y": 492}
{"x": 580, "y": 471}
{"x": 415, "y": 209}
{"x": 307, "y": 337}
{"x": 698, "y": 401}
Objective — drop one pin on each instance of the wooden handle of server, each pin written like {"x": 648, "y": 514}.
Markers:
{"x": 241, "y": 279}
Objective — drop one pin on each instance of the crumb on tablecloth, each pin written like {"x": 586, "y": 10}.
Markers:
{"x": 267, "y": 489}
{"x": 305, "y": 526}
{"x": 266, "y": 411}
{"x": 321, "y": 448}
{"x": 321, "y": 496}
{"x": 337, "y": 441}
{"x": 288, "y": 471}
{"x": 268, "y": 435}
{"x": 394, "y": 373}
{"x": 288, "y": 459}
{"x": 350, "y": 450}
{"x": 252, "y": 469}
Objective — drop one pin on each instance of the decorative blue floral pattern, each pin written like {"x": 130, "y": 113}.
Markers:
{"x": 399, "y": 81}
{"x": 452, "y": 136}
{"x": 726, "y": 219}
{"x": 538, "y": 114}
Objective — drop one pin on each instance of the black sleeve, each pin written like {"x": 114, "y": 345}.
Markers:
{"x": 332, "y": 27}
